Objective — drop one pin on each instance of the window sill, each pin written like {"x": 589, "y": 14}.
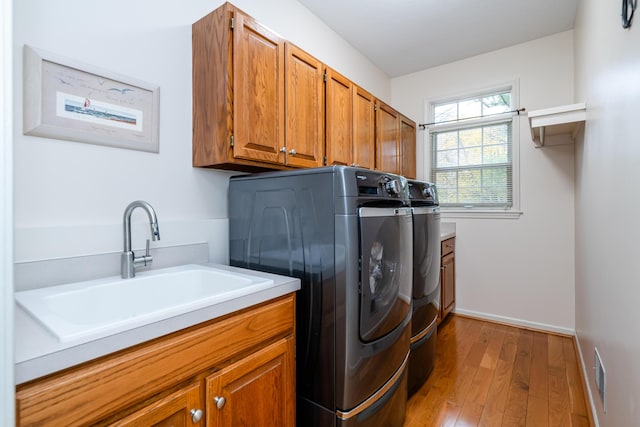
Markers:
{"x": 479, "y": 214}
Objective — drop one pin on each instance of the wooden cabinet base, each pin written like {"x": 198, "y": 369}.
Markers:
{"x": 447, "y": 278}
{"x": 132, "y": 384}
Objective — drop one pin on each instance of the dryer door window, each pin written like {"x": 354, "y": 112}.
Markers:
{"x": 386, "y": 254}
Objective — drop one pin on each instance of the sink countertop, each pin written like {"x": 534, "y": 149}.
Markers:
{"x": 447, "y": 230}
{"x": 39, "y": 353}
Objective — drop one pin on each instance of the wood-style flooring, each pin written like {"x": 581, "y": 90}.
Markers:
{"x": 488, "y": 374}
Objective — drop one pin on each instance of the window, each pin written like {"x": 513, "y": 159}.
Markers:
{"x": 472, "y": 151}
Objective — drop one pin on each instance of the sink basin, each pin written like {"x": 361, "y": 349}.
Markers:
{"x": 102, "y": 307}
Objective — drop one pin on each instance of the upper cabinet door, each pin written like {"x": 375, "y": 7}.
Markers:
{"x": 258, "y": 94}
{"x": 364, "y": 128}
{"x": 387, "y": 138}
{"x": 339, "y": 118}
{"x": 407, "y": 147}
{"x": 304, "y": 108}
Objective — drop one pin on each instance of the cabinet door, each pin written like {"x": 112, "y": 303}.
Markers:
{"x": 407, "y": 147}
{"x": 448, "y": 282}
{"x": 363, "y": 128}
{"x": 387, "y": 139}
{"x": 339, "y": 118}
{"x": 258, "y": 91}
{"x": 304, "y": 108}
{"x": 258, "y": 390}
{"x": 181, "y": 409}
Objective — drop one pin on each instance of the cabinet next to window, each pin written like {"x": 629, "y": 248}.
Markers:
{"x": 447, "y": 278}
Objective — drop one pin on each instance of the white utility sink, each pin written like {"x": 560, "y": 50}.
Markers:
{"x": 98, "y": 308}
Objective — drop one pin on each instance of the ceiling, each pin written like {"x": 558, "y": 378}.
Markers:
{"x": 404, "y": 36}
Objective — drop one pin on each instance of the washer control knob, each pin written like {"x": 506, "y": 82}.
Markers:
{"x": 393, "y": 187}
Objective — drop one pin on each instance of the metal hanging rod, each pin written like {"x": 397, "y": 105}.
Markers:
{"x": 518, "y": 111}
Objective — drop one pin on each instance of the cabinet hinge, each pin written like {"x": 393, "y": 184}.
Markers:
{"x": 324, "y": 77}
{"x": 375, "y": 107}
{"x": 231, "y": 23}
{"x": 324, "y": 160}
{"x": 231, "y": 141}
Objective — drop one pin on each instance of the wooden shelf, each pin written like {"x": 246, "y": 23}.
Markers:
{"x": 565, "y": 120}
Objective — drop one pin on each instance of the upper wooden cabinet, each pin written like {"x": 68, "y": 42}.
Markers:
{"x": 387, "y": 138}
{"x": 407, "y": 147}
{"x": 246, "y": 80}
{"x": 238, "y": 91}
{"x": 304, "y": 108}
{"x": 260, "y": 102}
{"x": 338, "y": 118}
{"x": 364, "y": 128}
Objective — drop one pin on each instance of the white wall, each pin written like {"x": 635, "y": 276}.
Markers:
{"x": 516, "y": 270}
{"x": 607, "y": 62}
{"x": 79, "y": 190}
{"x": 7, "y": 407}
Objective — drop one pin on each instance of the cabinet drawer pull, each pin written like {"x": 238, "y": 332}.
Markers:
{"x": 220, "y": 401}
{"x": 196, "y": 415}
{"x": 292, "y": 152}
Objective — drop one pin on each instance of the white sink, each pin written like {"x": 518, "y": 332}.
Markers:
{"x": 98, "y": 308}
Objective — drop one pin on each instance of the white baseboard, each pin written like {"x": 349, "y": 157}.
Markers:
{"x": 587, "y": 383}
{"x": 516, "y": 322}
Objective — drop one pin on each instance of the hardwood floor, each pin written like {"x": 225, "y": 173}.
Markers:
{"x": 487, "y": 374}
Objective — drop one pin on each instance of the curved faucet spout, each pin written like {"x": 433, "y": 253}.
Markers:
{"x": 129, "y": 261}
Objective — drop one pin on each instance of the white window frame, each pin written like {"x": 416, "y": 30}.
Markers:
{"x": 514, "y": 211}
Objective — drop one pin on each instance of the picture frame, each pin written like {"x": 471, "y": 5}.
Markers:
{"x": 68, "y": 100}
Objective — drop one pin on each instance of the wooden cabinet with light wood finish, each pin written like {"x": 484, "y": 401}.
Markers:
{"x": 447, "y": 277}
{"x": 166, "y": 381}
{"x": 258, "y": 101}
{"x": 304, "y": 109}
{"x": 387, "y": 138}
{"x": 238, "y": 91}
{"x": 338, "y": 118}
{"x": 407, "y": 147}
{"x": 364, "y": 128}
{"x": 179, "y": 409}
{"x": 254, "y": 391}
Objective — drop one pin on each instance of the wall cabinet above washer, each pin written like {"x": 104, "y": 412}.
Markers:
{"x": 261, "y": 103}
{"x": 566, "y": 121}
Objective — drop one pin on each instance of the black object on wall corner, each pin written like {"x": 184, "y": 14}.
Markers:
{"x": 628, "y": 7}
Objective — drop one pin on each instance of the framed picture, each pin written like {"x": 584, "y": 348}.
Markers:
{"x": 65, "y": 99}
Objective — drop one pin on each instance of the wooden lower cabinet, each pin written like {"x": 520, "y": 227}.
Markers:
{"x": 254, "y": 391}
{"x": 180, "y": 409}
{"x": 447, "y": 278}
{"x": 247, "y": 357}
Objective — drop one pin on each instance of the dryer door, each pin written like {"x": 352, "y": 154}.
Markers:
{"x": 386, "y": 259}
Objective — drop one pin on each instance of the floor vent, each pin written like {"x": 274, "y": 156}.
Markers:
{"x": 601, "y": 378}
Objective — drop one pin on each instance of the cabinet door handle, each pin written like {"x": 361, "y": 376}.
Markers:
{"x": 220, "y": 401}
{"x": 283, "y": 150}
{"x": 196, "y": 415}
{"x": 292, "y": 152}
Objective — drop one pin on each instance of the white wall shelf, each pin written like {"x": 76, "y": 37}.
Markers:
{"x": 564, "y": 120}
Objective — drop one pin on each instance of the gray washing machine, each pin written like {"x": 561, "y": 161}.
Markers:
{"x": 426, "y": 281}
{"x": 346, "y": 233}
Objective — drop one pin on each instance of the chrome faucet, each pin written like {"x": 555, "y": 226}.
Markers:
{"x": 128, "y": 260}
